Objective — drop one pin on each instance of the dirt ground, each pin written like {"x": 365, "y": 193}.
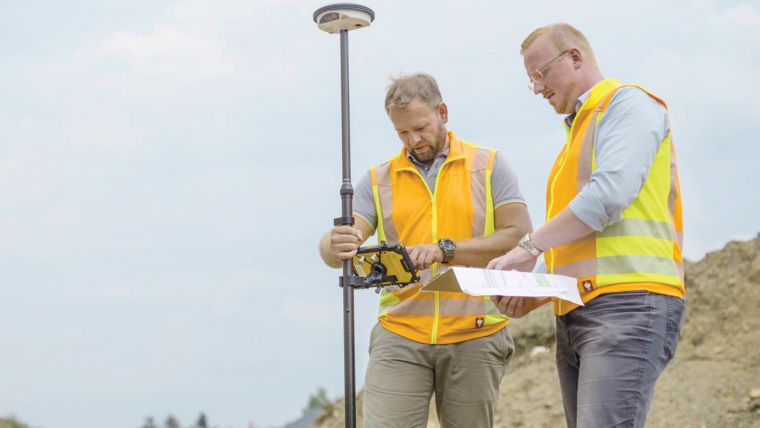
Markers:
{"x": 713, "y": 381}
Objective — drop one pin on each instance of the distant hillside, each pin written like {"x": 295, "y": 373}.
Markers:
{"x": 11, "y": 422}
{"x": 714, "y": 380}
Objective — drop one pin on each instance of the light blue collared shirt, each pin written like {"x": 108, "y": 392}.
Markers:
{"x": 626, "y": 142}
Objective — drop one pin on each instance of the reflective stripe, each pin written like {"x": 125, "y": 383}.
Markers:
{"x": 495, "y": 319}
{"x": 620, "y": 265}
{"x": 674, "y": 185}
{"x": 383, "y": 195}
{"x": 447, "y": 307}
{"x": 638, "y": 227}
{"x": 493, "y": 315}
{"x": 466, "y": 306}
{"x": 679, "y": 268}
{"x": 413, "y": 307}
{"x": 378, "y": 209}
{"x": 490, "y": 226}
{"x": 389, "y": 295}
{"x": 436, "y": 317}
{"x": 387, "y": 301}
{"x": 478, "y": 191}
{"x": 586, "y": 156}
{"x": 580, "y": 269}
{"x": 635, "y": 264}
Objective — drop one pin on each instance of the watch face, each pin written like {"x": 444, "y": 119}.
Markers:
{"x": 448, "y": 244}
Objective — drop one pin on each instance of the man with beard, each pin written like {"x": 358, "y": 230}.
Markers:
{"x": 449, "y": 202}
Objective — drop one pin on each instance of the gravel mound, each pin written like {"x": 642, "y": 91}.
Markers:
{"x": 713, "y": 381}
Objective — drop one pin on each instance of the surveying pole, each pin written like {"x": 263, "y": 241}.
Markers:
{"x": 342, "y": 18}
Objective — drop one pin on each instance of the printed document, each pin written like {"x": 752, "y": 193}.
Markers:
{"x": 488, "y": 282}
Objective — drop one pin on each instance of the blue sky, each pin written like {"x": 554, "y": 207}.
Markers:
{"x": 167, "y": 168}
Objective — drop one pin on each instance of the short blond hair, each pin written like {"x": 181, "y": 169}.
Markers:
{"x": 563, "y": 36}
{"x": 406, "y": 88}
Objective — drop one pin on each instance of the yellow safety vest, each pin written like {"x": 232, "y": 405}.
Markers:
{"x": 642, "y": 251}
{"x": 461, "y": 207}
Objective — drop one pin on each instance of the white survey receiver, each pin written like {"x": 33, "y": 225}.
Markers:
{"x": 489, "y": 282}
{"x": 343, "y": 16}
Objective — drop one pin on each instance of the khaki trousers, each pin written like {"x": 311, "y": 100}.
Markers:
{"x": 403, "y": 374}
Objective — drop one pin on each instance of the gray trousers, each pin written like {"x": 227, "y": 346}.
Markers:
{"x": 610, "y": 354}
{"x": 403, "y": 374}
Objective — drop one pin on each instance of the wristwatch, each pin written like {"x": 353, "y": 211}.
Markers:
{"x": 526, "y": 244}
{"x": 448, "y": 247}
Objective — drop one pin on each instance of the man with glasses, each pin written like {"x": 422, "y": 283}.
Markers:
{"x": 614, "y": 223}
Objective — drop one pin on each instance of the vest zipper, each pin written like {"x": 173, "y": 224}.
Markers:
{"x": 434, "y": 268}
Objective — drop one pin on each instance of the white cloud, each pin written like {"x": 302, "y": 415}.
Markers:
{"x": 745, "y": 15}
{"x": 170, "y": 51}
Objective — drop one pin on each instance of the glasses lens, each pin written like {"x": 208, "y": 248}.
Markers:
{"x": 534, "y": 81}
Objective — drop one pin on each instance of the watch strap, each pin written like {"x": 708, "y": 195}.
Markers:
{"x": 448, "y": 248}
{"x": 528, "y": 245}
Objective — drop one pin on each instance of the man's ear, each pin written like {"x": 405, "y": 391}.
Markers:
{"x": 443, "y": 112}
{"x": 577, "y": 57}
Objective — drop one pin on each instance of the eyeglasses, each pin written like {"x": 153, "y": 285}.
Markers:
{"x": 538, "y": 74}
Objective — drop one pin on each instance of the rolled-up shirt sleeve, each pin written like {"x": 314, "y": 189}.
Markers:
{"x": 364, "y": 202}
{"x": 626, "y": 142}
{"x": 505, "y": 188}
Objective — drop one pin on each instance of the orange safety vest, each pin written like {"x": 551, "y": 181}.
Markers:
{"x": 461, "y": 207}
{"x": 642, "y": 251}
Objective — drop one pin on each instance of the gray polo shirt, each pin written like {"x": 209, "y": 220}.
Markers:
{"x": 626, "y": 142}
{"x": 504, "y": 185}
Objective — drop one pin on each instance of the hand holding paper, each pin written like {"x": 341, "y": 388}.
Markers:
{"x": 517, "y": 306}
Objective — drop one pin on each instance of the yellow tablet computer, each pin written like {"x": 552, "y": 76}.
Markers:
{"x": 384, "y": 264}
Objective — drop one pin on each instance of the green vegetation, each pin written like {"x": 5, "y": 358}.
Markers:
{"x": 318, "y": 400}
{"x": 172, "y": 422}
{"x": 12, "y": 422}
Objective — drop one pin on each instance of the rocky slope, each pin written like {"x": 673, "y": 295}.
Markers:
{"x": 713, "y": 381}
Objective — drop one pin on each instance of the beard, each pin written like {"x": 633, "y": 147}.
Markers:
{"x": 439, "y": 143}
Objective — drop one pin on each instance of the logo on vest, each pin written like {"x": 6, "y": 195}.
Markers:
{"x": 588, "y": 285}
{"x": 479, "y": 322}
